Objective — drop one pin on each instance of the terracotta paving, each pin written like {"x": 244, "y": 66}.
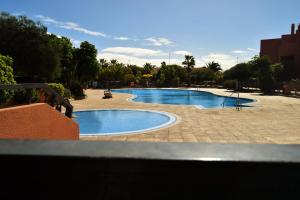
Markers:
{"x": 273, "y": 119}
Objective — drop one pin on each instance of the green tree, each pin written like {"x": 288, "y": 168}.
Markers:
{"x": 241, "y": 72}
{"x": 189, "y": 63}
{"x": 87, "y": 66}
{"x": 6, "y": 77}
{"x": 32, "y": 49}
{"x": 103, "y": 63}
{"x": 278, "y": 74}
{"x": 170, "y": 75}
{"x": 214, "y": 66}
{"x": 200, "y": 75}
{"x": 263, "y": 71}
{"x": 148, "y": 68}
{"x": 66, "y": 53}
{"x": 135, "y": 69}
{"x": 113, "y": 62}
{"x": 290, "y": 70}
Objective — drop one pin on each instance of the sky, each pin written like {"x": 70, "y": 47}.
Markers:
{"x": 140, "y": 31}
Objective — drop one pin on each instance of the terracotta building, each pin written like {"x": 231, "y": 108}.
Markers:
{"x": 282, "y": 49}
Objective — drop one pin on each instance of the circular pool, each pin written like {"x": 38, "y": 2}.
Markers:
{"x": 121, "y": 121}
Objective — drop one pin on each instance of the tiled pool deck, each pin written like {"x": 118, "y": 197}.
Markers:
{"x": 273, "y": 119}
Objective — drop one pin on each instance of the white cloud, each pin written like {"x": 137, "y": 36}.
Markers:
{"x": 76, "y": 43}
{"x": 238, "y": 52}
{"x": 19, "y": 13}
{"x": 57, "y": 35}
{"x": 251, "y": 49}
{"x": 127, "y": 59}
{"x": 121, "y": 38}
{"x": 225, "y": 60}
{"x": 182, "y": 53}
{"x": 159, "y": 41}
{"x": 131, "y": 51}
{"x": 69, "y": 26}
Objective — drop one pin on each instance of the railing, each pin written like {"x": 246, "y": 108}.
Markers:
{"x": 56, "y": 99}
{"x": 237, "y": 102}
{"x": 121, "y": 170}
{"x": 223, "y": 104}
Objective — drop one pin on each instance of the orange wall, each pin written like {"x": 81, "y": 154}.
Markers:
{"x": 36, "y": 121}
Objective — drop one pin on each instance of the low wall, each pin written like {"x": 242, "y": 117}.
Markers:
{"x": 36, "y": 121}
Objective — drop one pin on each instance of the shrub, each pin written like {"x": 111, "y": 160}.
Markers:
{"x": 59, "y": 88}
{"x": 229, "y": 84}
{"x": 77, "y": 90}
{"x": 129, "y": 78}
{"x": 6, "y": 77}
{"x": 67, "y": 93}
{"x": 20, "y": 96}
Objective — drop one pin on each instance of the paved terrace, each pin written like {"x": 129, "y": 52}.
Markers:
{"x": 273, "y": 119}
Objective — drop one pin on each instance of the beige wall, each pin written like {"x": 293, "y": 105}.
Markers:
{"x": 36, "y": 121}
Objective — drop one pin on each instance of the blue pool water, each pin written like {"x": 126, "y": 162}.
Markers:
{"x": 182, "y": 97}
{"x": 112, "y": 122}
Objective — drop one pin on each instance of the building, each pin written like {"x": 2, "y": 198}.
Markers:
{"x": 286, "y": 48}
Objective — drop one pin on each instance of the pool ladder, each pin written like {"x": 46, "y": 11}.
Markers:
{"x": 237, "y": 105}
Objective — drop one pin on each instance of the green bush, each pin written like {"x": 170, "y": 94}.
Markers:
{"x": 20, "y": 96}
{"x": 59, "y": 88}
{"x": 229, "y": 84}
{"x": 67, "y": 93}
{"x": 6, "y": 77}
{"x": 77, "y": 90}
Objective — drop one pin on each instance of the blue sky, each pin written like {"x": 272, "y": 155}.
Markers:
{"x": 139, "y": 31}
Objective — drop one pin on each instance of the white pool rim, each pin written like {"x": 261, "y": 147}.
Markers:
{"x": 173, "y": 119}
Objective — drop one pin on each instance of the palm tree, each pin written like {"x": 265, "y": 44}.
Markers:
{"x": 113, "y": 62}
{"x": 214, "y": 66}
{"x": 189, "y": 63}
{"x": 103, "y": 63}
{"x": 148, "y": 68}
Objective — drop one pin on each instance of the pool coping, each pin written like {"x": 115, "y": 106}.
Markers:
{"x": 131, "y": 99}
{"x": 174, "y": 120}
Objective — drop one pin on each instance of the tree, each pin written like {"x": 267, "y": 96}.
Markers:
{"x": 6, "y": 77}
{"x": 290, "y": 70}
{"x": 34, "y": 52}
{"x": 136, "y": 70}
{"x": 263, "y": 71}
{"x": 240, "y": 72}
{"x": 214, "y": 66}
{"x": 103, "y": 63}
{"x": 163, "y": 64}
{"x": 148, "y": 68}
{"x": 66, "y": 59}
{"x": 113, "y": 62}
{"x": 278, "y": 74}
{"x": 203, "y": 74}
{"x": 87, "y": 66}
{"x": 189, "y": 63}
{"x": 170, "y": 75}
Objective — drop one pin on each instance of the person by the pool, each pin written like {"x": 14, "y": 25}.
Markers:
{"x": 107, "y": 94}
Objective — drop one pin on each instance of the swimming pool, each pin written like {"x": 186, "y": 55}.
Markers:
{"x": 182, "y": 97}
{"x": 121, "y": 121}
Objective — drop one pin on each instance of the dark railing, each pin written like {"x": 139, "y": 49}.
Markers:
{"x": 56, "y": 99}
{"x": 116, "y": 170}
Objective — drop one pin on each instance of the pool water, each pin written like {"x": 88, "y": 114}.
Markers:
{"x": 182, "y": 97}
{"x": 114, "y": 122}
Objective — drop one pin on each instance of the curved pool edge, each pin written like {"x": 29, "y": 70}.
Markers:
{"x": 174, "y": 119}
{"x": 131, "y": 99}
